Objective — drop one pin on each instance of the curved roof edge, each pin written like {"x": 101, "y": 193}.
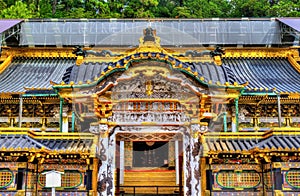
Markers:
{"x": 125, "y": 62}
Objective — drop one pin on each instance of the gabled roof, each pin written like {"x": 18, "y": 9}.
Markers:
{"x": 280, "y": 142}
{"x": 19, "y": 143}
{"x": 266, "y": 73}
{"x": 68, "y": 145}
{"x": 33, "y": 72}
{"x": 261, "y": 73}
{"x": 91, "y": 70}
{"x": 25, "y": 142}
{"x": 231, "y": 145}
{"x": 245, "y": 142}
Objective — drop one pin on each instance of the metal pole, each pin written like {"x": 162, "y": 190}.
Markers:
{"x": 279, "y": 109}
{"x": 122, "y": 163}
{"x": 53, "y": 191}
{"x": 236, "y": 102}
{"x": 60, "y": 114}
{"x": 73, "y": 121}
{"x": 20, "y": 110}
{"x": 225, "y": 121}
{"x": 177, "y": 161}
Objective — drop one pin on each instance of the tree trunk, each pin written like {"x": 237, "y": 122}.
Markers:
{"x": 54, "y": 3}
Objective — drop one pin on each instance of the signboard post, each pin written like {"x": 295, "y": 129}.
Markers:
{"x": 53, "y": 179}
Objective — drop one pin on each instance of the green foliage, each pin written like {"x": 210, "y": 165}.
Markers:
{"x": 9, "y": 2}
{"x": 98, "y": 9}
{"x": 79, "y": 13}
{"x": 139, "y": 9}
{"x": 2, "y": 5}
{"x": 285, "y": 8}
{"x": 182, "y": 12}
{"x": 45, "y": 9}
{"x": 19, "y": 10}
{"x": 203, "y": 9}
{"x": 249, "y": 8}
{"x": 219, "y": 8}
{"x": 165, "y": 8}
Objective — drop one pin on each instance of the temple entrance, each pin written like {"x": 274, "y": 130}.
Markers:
{"x": 149, "y": 163}
{"x": 150, "y": 154}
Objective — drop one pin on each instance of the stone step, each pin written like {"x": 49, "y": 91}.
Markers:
{"x": 151, "y": 174}
{"x": 143, "y": 179}
{"x": 149, "y": 183}
{"x": 150, "y": 190}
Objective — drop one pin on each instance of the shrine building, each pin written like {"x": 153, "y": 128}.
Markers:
{"x": 201, "y": 107}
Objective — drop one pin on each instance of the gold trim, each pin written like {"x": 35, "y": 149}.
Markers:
{"x": 294, "y": 63}
{"x": 6, "y": 63}
{"x": 258, "y": 52}
{"x": 95, "y": 176}
{"x": 203, "y": 175}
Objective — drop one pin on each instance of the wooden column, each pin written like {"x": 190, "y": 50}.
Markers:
{"x": 95, "y": 176}
{"x": 203, "y": 175}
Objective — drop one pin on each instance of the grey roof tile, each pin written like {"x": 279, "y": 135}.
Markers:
{"x": 89, "y": 70}
{"x": 227, "y": 145}
{"x": 74, "y": 145}
{"x": 265, "y": 72}
{"x": 33, "y": 72}
{"x": 19, "y": 142}
{"x": 22, "y": 142}
{"x": 285, "y": 142}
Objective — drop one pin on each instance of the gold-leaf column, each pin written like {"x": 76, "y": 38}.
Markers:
{"x": 171, "y": 153}
{"x": 128, "y": 154}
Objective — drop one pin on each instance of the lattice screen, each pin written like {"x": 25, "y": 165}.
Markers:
{"x": 268, "y": 179}
{"x": 293, "y": 178}
{"x": 231, "y": 179}
{"x": 31, "y": 180}
{"x": 70, "y": 179}
{"x": 6, "y": 178}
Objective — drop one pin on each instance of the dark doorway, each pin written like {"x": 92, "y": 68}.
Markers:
{"x": 150, "y": 154}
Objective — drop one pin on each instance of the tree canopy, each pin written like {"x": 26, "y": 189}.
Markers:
{"x": 148, "y": 8}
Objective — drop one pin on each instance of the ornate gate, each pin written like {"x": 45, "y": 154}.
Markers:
{"x": 148, "y": 103}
